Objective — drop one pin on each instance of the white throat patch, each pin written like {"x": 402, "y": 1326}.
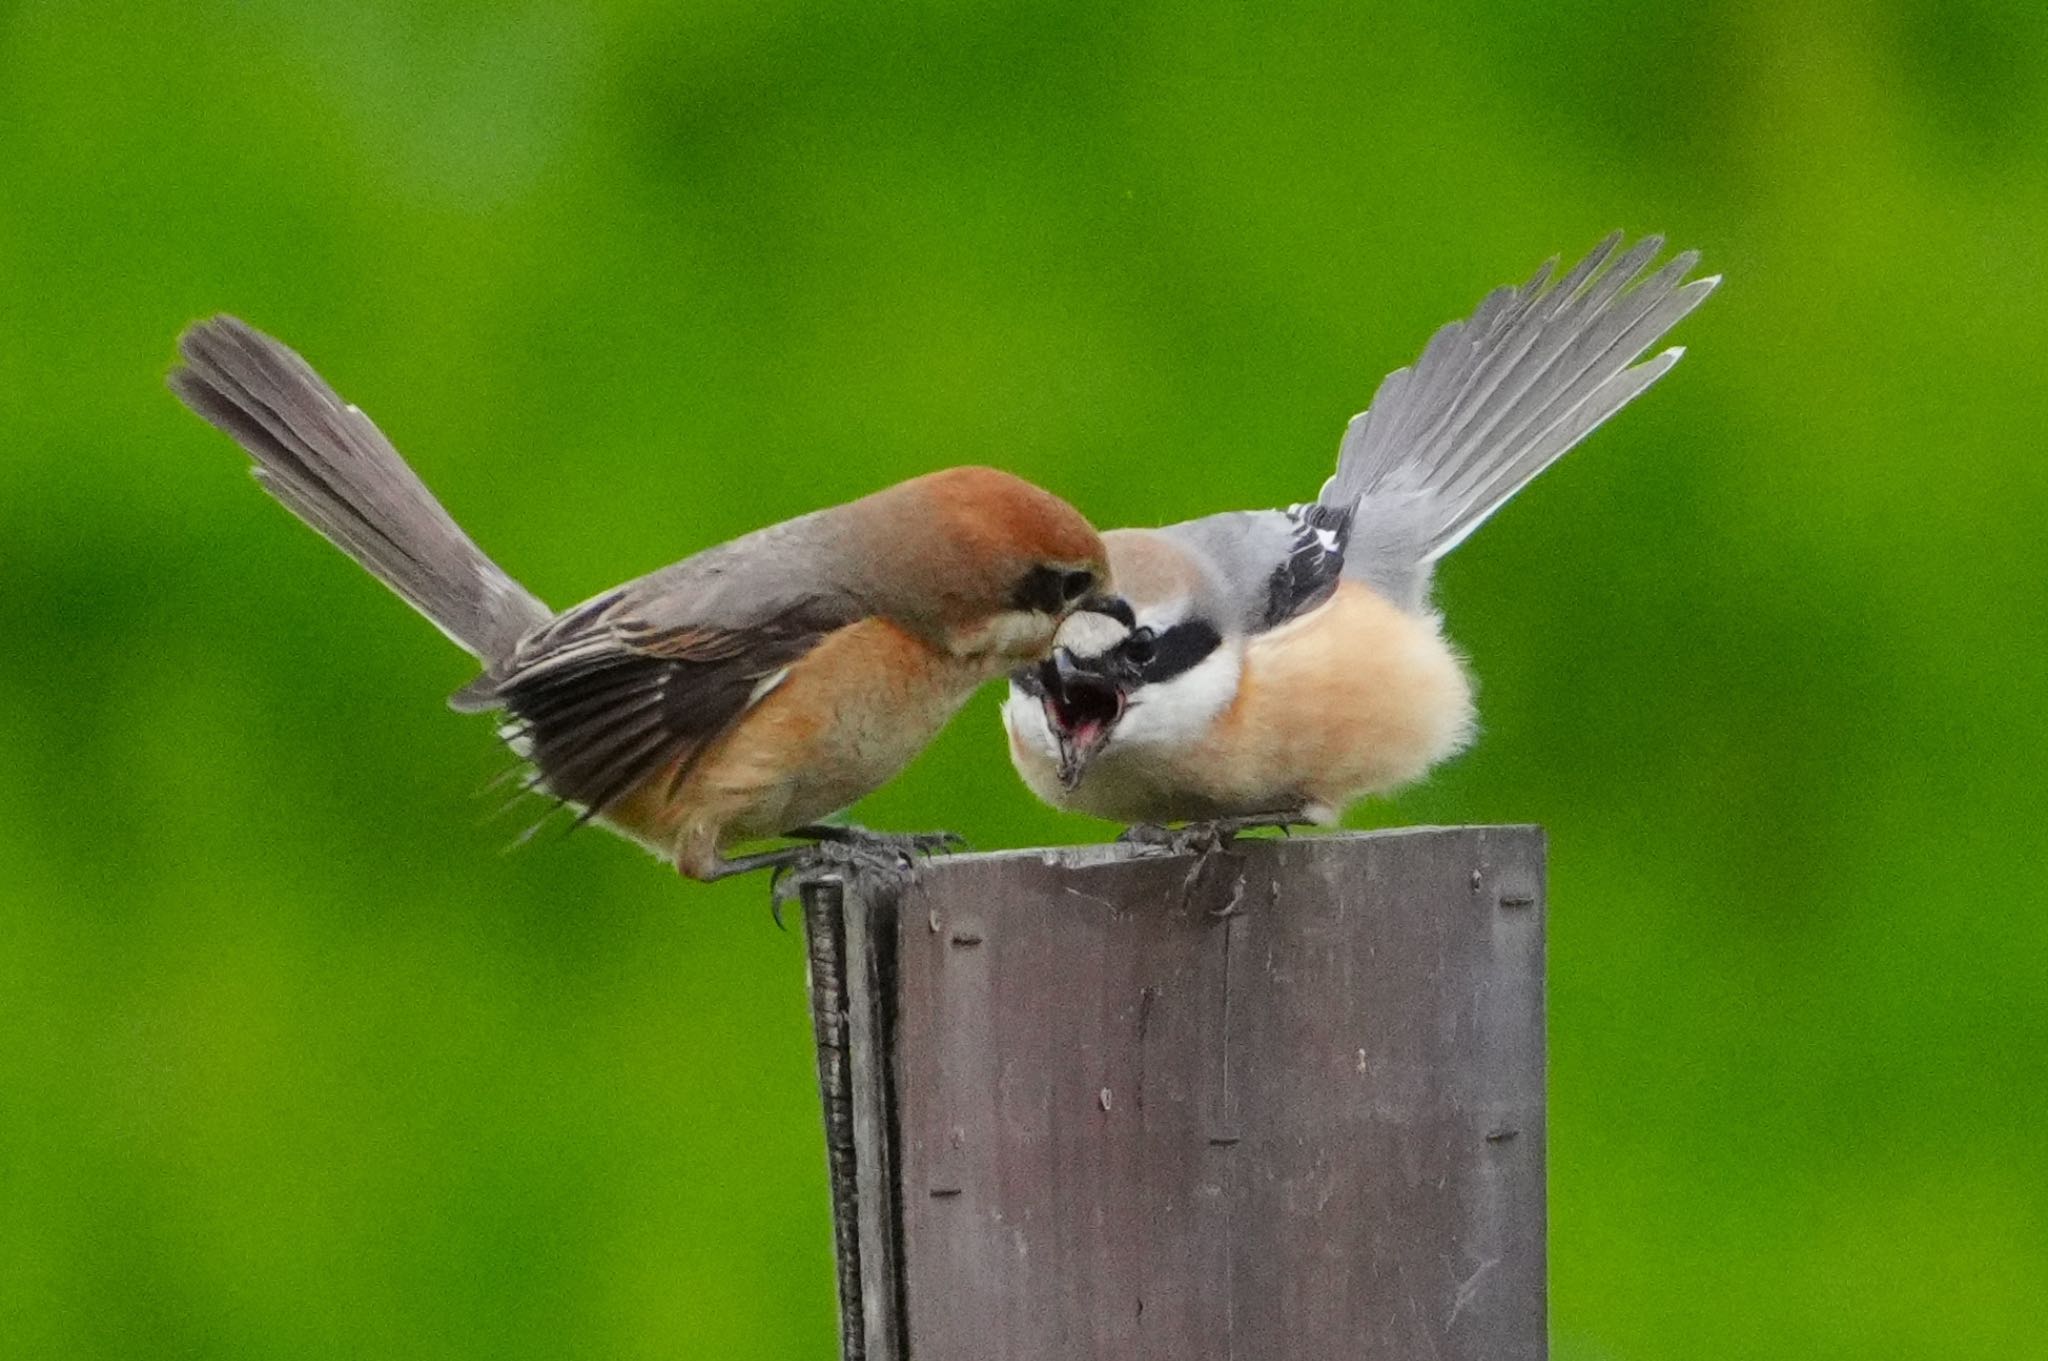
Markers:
{"x": 1179, "y": 711}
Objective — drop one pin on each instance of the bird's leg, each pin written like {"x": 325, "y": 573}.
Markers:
{"x": 788, "y": 858}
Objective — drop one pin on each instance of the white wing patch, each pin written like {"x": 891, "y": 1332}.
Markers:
{"x": 766, "y": 684}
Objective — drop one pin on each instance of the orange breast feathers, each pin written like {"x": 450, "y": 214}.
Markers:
{"x": 1355, "y": 697}
{"x": 842, "y": 721}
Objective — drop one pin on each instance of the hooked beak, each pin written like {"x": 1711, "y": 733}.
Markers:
{"x": 1082, "y": 707}
{"x": 1110, "y": 607}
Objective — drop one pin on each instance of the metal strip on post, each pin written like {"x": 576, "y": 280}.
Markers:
{"x": 851, "y": 921}
{"x": 825, "y": 956}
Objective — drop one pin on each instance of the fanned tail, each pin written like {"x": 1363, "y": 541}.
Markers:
{"x": 333, "y": 468}
{"x": 1496, "y": 399}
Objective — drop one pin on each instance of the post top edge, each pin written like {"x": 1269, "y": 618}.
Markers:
{"x": 1086, "y": 854}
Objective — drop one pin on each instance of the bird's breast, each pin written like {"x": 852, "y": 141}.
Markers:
{"x": 1356, "y": 697}
{"x": 847, "y": 717}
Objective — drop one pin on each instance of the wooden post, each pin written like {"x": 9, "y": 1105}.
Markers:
{"x": 1282, "y": 1102}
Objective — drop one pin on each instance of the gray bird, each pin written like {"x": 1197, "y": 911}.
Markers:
{"x": 1277, "y": 665}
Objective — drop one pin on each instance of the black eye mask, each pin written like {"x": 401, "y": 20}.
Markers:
{"x": 1156, "y": 657}
{"x": 1051, "y": 590}
{"x": 1143, "y": 658}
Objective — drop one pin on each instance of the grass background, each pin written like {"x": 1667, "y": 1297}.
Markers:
{"x": 293, "y": 1062}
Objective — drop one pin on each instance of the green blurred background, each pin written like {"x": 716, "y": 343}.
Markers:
{"x": 295, "y": 1063}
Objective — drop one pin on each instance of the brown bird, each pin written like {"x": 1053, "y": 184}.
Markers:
{"x": 1278, "y": 665}
{"x": 742, "y": 693}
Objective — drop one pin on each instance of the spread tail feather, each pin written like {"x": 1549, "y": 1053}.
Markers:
{"x": 331, "y": 466}
{"x": 1496, "y": 399}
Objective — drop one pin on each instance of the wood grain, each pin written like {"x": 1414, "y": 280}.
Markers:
{"x": 1285, "y": 1101}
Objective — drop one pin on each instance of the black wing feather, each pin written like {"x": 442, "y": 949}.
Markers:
{"x": 601, "y": 707}
{"x": 1308, "y": 574}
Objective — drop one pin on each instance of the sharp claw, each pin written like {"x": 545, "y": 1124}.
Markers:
{"x": 934, "y": 843}
{"x": 854, "y": 849}
{"x": 777, "y": 896}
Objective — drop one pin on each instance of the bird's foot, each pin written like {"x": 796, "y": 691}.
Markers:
{"x": 1205, "y": 838}
{"x": 1207, "y": 843}
{"x": 1283, "y": 821}
{"x": 839, "y": 851}
{"x": 908, "y": 844}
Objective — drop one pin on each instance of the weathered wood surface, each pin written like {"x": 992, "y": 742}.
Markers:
{"x": 1285, "y": 1102}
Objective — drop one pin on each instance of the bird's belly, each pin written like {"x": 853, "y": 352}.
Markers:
{"x": 1359, "y": 698}
{"x": 1136, "y": 786}
{"x": 848, "y": 716}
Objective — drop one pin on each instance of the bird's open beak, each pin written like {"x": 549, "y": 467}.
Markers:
{"x": 1082, "y": 707}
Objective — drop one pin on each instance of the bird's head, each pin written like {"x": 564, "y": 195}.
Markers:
{"x": 1151, "y": 668}
{"x": 983, "y": 563}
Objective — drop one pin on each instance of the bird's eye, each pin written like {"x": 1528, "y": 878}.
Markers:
{"x": 1141, "y": 646}
{"x": 1074, "y": 585}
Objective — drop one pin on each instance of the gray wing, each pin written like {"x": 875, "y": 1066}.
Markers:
{"x": 647, "y": 676}
{"x": 1496, "y": 399}
{"x": 1269, "y": 565}
{"x": 759, "y": 575}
